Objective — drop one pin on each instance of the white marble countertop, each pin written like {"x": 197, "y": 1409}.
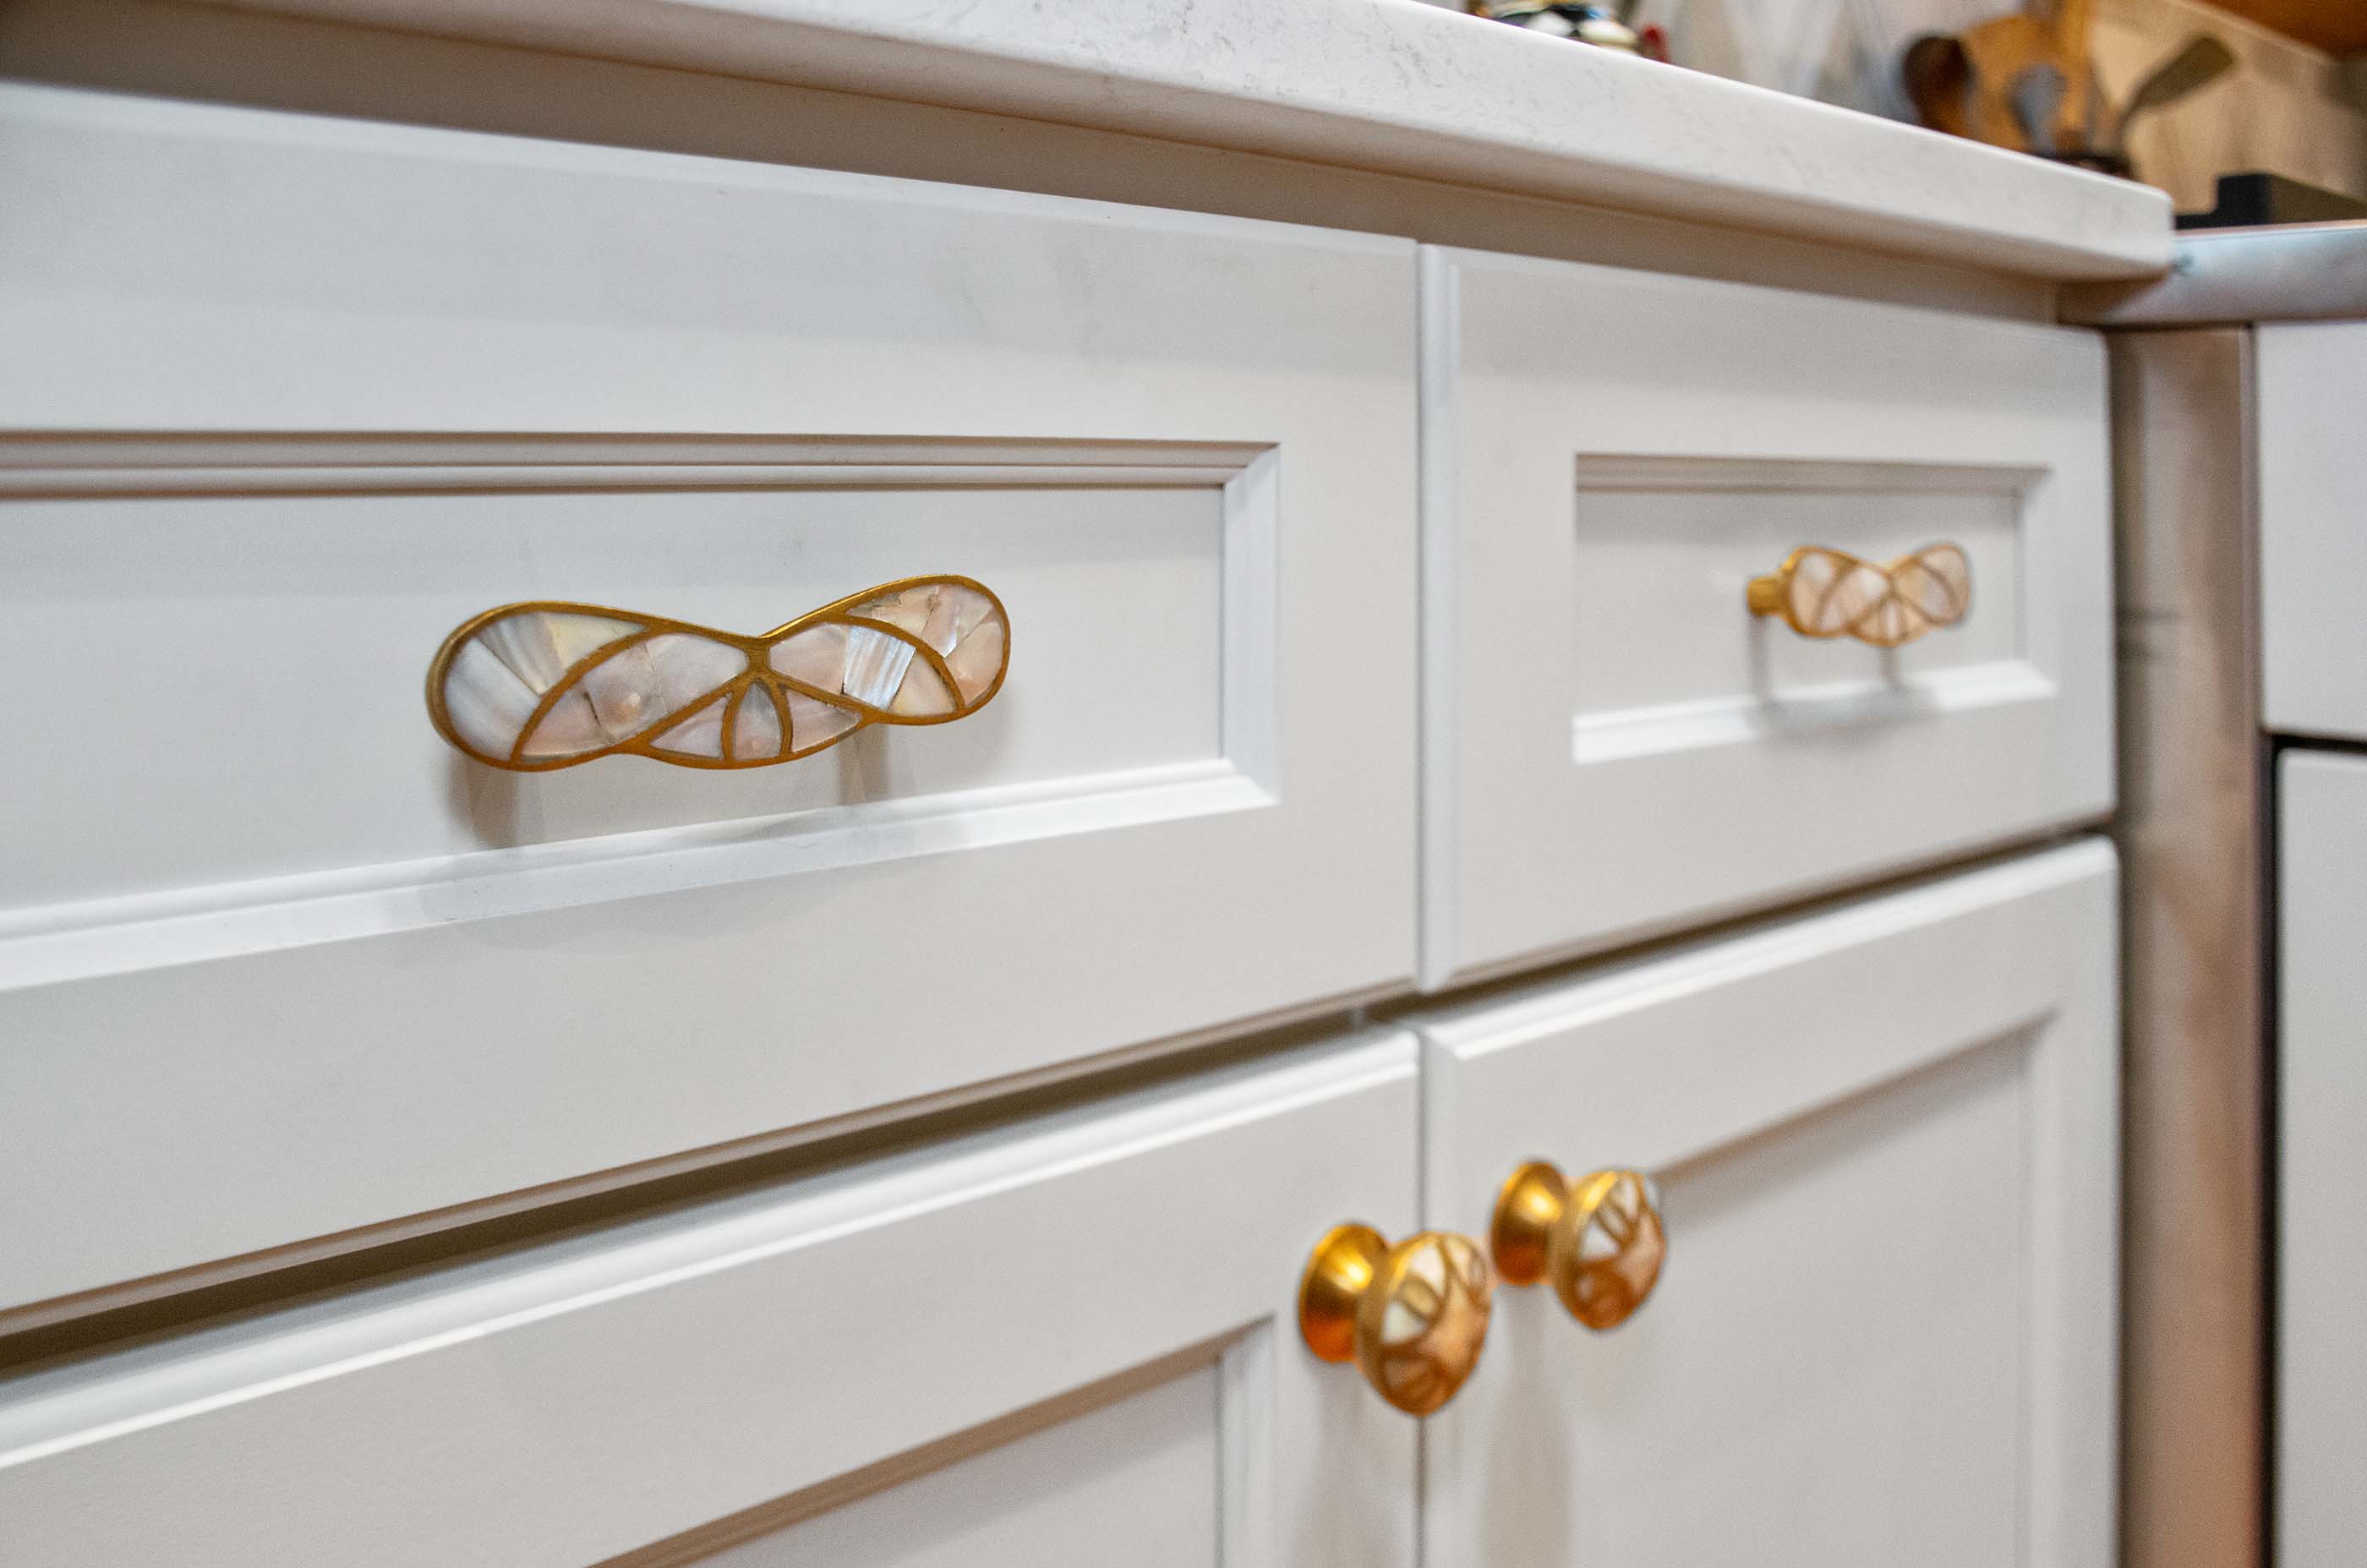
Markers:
{"x": 1391, "y": 86}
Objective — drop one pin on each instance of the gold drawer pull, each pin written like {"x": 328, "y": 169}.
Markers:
{"x": 1598, "y": 1241}
{"x": 1824, "y": 593}
{"x": 1412, "y": 1317}
{"x": 543, "y": 685}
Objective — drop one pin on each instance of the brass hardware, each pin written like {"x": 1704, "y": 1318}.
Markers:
{"x": 1412, "y": 1317}
{"x": 1598, "y": 1241}
{"x": 543, "y": 685}
{"x": 1822, "y": 592}
{"x": 1765, "y": 595}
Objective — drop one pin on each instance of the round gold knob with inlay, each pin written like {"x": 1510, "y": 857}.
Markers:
{"x": 1412, "y": 1317}
{"x": 1598, "y": 1241}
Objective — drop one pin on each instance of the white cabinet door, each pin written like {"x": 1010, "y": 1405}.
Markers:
{"x": 1885, "y": 1332}
{"x": 295, "y": 396}
{"x": 1073, "y": 1341}
{"x": 2313, "y": 384}
{"x": 2321, "y": 1079}
{"x": 1614, "y": 746}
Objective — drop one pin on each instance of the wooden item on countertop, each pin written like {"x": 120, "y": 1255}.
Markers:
{"x": 2020, "y": 81}
{"x": 2028, "y": 81}
{"x": 2202, "y": 59}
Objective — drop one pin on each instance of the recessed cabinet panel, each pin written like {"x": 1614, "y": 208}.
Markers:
{"x": 279, "y": 965}
{"x": 2321, "y": 1159}
{"x": 2312, "y": 386}
{"x": 1616, "y": 744}
{"x": 281, "y": 720}
{"x": 1661, "y": 546}
{"x": 1145, "y": 1459}
{"x": 1016, "y": 1348}
{"x": 1884, "y": 1141}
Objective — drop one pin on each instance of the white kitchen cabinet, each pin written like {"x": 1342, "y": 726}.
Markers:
{"x": 1885, "y": 1142}
{"x": 1615, "y": 747}
{"x": 1070, "y": 1341}
{"x": 2311, "y": 384}
{"x": 962, "y": 1103}
{"x": 297, "y": 395}
{"x": 2320, "y": 1432}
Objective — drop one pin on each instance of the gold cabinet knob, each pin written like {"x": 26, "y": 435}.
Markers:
{"x": 1598, "y": 1240}
{"x": 1412, "y": 1317}
{"x": 1823, "y": 593}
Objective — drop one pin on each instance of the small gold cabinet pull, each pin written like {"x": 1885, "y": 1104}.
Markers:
{"x": 1598, "y": 1241}
{"x": 1824, "y": 593}
{"x": 1412, "y": 1317}
{"x": 540, "y": 685}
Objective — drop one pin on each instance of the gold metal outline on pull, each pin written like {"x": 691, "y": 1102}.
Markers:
{"x": 759, "y": 680}
{"x": 1771, "y": 595}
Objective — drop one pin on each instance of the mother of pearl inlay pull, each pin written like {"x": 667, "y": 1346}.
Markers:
{"x": 536, "y": 686}
{"x": 1824, "y": 593}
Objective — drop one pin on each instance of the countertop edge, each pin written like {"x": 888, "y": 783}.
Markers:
{"x": 2303, "y": 272}
{"x": 1394, "y": 86}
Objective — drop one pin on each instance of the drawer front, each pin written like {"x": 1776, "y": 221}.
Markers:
{"x": 1614, "y": 746}
{"x": 998, "y": 1352}
{"x": 2321, "y": 1079}
{"x": 2311, "y": 384}
{"x": 1884, "y": 1142}
{"x": 277, "y": 962}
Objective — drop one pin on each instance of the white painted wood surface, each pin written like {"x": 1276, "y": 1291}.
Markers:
{"x": 277, "y": 964}
{"x": 1381, "y": 85}
{"x": 999, "y": 1351}
{"x": 1614, "y": 747}
{"x": 2320, "y": 1402}
{"x": 2312, "y": 386}
{"x": 161, "y": 48}
{"x": 1886, "y": 1332}
{"x": 1136, "y": 1470}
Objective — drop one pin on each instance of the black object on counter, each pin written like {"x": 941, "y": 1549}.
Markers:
{"x": 2252, "y": 201}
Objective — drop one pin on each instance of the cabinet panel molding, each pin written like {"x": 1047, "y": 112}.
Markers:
{"x": 1886, "y": 1139}
{"x": 1615, "y": 747}
{"x": 714, "y": 1375}
{"x": 283, "y": 973}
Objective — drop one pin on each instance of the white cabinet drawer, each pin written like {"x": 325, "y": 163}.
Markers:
{"x": 2321, "y": 1119}
{"x": 1018, "y": 1349}
{"x": 1886, "y": 1145}
{"x": 1614, "y": 745}
{"x": 278, "y": 962}
{"x": 2312, "y": 386}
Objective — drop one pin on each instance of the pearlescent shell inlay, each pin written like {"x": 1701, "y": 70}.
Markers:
{"x": 1829, "y": 592}
{"x": 1615, "y": 1248}
{"x": 536, "y": 686}
{"x": 1421, "y": 1324}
